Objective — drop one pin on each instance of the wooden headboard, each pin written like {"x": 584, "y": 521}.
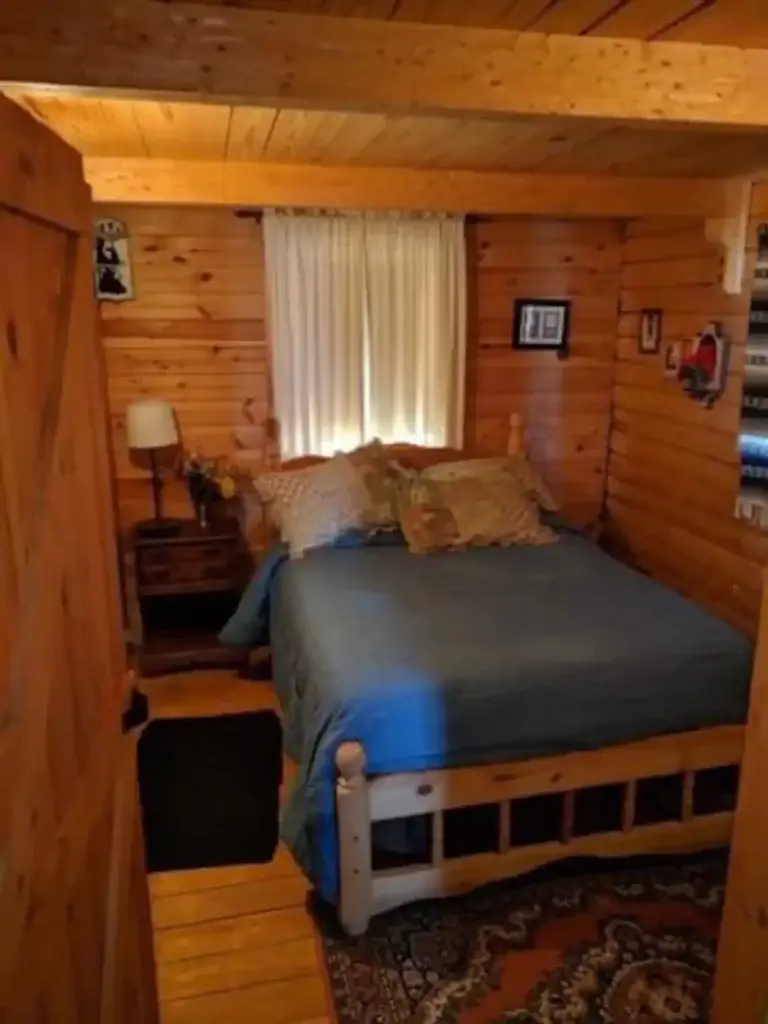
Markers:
{"x": 256, "y": 523}
{"x": 415, "y": 456}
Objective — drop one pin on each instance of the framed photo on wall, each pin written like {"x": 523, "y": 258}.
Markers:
{"x": 649, "y": 335}
{"x": 113, "y": 277}
{"x": 542, "y": 324}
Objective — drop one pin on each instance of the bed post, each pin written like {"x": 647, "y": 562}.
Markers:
{"x": 354, "y": 822}
{"x": 516, "y": 437}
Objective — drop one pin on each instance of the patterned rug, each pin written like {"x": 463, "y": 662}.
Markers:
{"x": 630, "y": 947}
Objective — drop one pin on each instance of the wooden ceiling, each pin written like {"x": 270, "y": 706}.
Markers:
{"x": 246, "y": 53}
{"x": 725, "y": 22}
{"x": 109, "y": 127}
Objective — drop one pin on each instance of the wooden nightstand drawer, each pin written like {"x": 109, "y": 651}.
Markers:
{"x": 185, "y": 585}
{"x": 188, "y": 562}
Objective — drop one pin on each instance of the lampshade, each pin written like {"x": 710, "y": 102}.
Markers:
{"x": 150, "y": 423}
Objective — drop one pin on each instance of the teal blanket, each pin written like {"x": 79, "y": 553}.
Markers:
{"x": 479, "y": 656}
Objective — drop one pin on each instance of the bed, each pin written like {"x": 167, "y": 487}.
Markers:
{"x": 411, "y": 686}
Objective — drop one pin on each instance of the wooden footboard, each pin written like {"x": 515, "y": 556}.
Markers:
{"x": 361, "y": 802}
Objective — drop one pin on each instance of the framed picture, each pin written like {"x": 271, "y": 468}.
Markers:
{"x": 649, "y": 336}
{"x": 673, "y": 357}
{"x": 703, "y": 369}
{"x": 542, "y": 324}
{"x": 113, "y": 278}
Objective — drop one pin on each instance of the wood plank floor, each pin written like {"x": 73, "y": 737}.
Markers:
{"x": 233, "y": 945}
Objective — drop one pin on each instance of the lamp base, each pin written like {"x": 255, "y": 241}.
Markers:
{"x": 159, "y": 528}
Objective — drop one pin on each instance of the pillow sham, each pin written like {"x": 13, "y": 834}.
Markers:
{"x": 425, "y": 519}
{"x": 383, "y": 478}
{"x": 494, "y": 511}
{"x": 314, "y": 507}
{"x": 529, "y": 479}
{"x": 469, "y": 512}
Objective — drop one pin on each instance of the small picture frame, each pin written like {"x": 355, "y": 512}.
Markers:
{"x": 113, "y": 278}
{"x": 542, "y": 324}
{"x": 673, "y": 357}
{"x": 649, "y": 334}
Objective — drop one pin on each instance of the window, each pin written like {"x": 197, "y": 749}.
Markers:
{"x": 368, "y": 325}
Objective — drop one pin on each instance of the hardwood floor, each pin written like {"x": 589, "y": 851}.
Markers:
{"x": 234, "y": 945}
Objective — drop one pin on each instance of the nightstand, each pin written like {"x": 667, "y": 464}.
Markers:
{"x": 181, "y": 589}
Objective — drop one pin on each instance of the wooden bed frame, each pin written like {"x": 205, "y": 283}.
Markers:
{"x": 362, "y": 801}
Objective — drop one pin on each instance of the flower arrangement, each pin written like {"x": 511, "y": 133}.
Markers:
{"x": 209, "y": 482}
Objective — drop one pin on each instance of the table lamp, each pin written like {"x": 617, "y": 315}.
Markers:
{"x": 149, "y": 426}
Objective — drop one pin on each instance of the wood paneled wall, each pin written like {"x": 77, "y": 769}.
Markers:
{"x": 674, "y": 469}
{"x": 196, "y": 335}
{"x": 566, "y": 403}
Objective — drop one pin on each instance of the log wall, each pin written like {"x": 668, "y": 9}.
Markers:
{"x": 196, "y": 335}
{"x": 674, "y": 468}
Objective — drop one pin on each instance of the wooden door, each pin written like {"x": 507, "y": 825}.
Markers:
{"x": 741, "y": 983}
{"x": 75, "y": 936}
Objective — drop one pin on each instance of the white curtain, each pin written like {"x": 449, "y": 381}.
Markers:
{"x": 368, "y": 326}
{"x": 315, "y": 270}
{"x": 416, "y": 284}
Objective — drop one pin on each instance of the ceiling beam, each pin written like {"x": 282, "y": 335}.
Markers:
{"x": 258, "y": 184}
{"x": 315, "y": 61}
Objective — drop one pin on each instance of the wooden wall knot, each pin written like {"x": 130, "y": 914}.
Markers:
{"x": 12, "y": 338}
{"x": 26, "y": 166}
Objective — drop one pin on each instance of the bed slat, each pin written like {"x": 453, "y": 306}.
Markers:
{"x": 404, "y": 885}
{"x": 438, "y": 841}
{"x": 628, "y": 808}
{"x": 689, "y": 781}
{"x": 505, "y": 825}
{"x": 569, "y": 812}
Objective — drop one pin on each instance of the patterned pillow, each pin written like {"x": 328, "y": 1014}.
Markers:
{"x": 469, "y": 512}
{"x": 529, "y": 479}
{"x": 494, "y": 511}
{"x": 257, "y": 529}
{"x": 383, "y": 479}
{"x": 314, "y": 507}
{"x": 426, "y": 521}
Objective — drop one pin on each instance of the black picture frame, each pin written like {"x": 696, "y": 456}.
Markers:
{"x": 650, "y": 331}
{"x": 553, "y": 334}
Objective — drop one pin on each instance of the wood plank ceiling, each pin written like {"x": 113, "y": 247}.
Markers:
{"x": 726, "y": 22}
{"x": 112, "y": 127}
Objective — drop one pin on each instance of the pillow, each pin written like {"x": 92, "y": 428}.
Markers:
{"x": 494, "y": 511}
{"x": 426, "y": 521}
{"x": 469, "y": 512}
{"x": 258, "y": 531}
{"x": 528, "y": 478}
{"x": 382, "y": 478}
{"x": 314, "y": 507}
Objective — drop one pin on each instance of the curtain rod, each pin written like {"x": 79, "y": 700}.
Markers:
{"x": 256, "y": 214}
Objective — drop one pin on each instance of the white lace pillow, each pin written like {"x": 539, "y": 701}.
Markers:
{"x": 314, "y": 507}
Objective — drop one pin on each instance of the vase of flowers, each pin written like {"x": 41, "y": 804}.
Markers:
{"x": 209, "y": 482}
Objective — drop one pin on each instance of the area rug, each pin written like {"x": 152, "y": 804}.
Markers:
{"x": 630, "y": 947}
{"x": 210, "y": 790}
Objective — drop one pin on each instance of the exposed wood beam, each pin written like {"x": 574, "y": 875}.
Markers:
{"x": 258, "y": 57}
{"x": 731, "y": 231}
{"x": 256, "y": 184}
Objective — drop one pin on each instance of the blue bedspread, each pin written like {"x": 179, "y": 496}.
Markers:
{"x": 479, "y": 656}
